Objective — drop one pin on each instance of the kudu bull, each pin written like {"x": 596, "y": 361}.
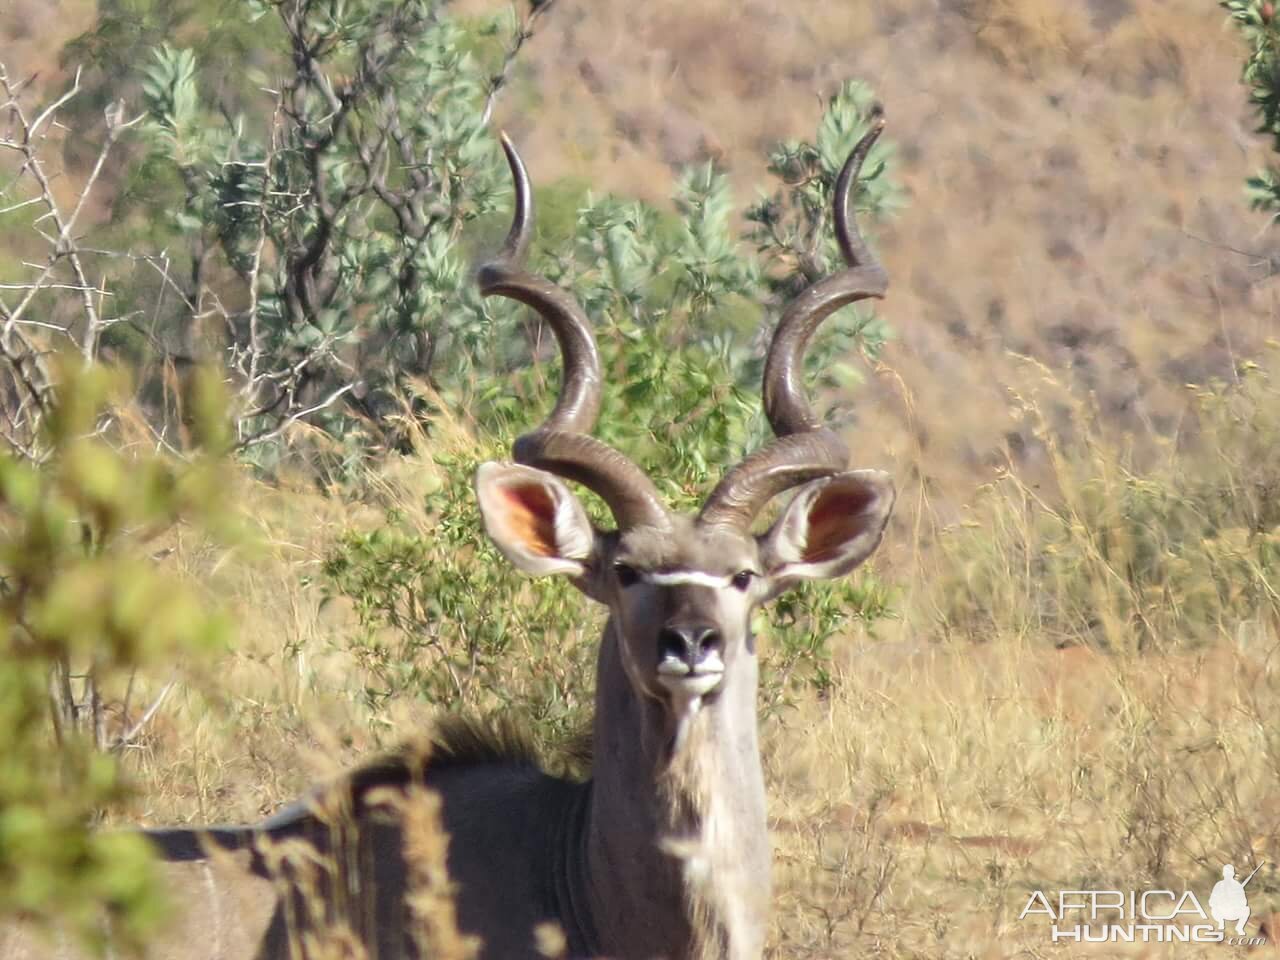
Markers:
{"x": 664, "y": 852}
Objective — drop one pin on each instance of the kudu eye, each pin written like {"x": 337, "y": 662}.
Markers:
{"x": 626, "y": 575}
{"x": 742, "y": 579}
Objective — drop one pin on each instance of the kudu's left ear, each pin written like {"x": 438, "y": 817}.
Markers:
{"x": 534, "y": 519}
{"x": 830, "y": 527}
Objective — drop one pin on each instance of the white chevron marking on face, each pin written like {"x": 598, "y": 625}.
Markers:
{"x": 671, "y": 578}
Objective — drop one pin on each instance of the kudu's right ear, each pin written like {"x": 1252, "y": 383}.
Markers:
{"x": 534, "y": 519}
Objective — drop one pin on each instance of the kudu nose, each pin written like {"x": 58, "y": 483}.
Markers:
{"x": 691, "y": 644}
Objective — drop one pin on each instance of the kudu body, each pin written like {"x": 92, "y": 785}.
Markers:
{"x": 664, "y": 852}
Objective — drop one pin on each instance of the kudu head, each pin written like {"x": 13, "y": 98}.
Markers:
{"x": 681, "y": 589}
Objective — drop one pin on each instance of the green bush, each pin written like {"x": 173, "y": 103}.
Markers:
{"x": 678, "y": 307}
{"x": 83, "y": 606}
{"x": 1256, "y": 21}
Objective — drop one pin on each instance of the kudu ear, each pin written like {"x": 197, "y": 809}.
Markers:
{"x": 830, "y": 527}
{"x": 534, "y": 519}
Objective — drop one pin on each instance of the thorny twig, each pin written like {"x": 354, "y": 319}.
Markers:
{"x": 63, "y": 244}
{"x": 26, "y": 341}
{"x": 524, "y": 32}
{"x": 270, "y": 434}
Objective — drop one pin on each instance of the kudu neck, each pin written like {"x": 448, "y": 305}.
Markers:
{"x": 677, "y": 846}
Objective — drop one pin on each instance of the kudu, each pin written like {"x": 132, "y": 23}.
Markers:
{"x": 664, "y": 852}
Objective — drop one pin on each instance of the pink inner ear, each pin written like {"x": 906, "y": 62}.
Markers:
{"x": 530, "y": 517}
{"x": 836, "y": 517}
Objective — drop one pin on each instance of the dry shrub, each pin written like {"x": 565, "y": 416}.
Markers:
{"x": 1109, "y": 551}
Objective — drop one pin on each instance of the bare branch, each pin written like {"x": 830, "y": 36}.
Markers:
{"x": 294, "y": 417}
{"x": 126, "y": 739}
{"x": 524, "y": 33}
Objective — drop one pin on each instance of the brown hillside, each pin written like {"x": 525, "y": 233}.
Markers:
{"x": 1074, "y": 172}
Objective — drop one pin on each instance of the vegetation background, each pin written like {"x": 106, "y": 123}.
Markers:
{"x": 1064, "y": 670}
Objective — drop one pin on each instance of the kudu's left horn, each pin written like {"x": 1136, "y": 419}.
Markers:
{"x": 804, "y": 449}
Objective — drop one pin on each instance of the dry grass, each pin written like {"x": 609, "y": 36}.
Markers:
{"x": 960, "y": 762}
{"x": 1030, "y": 747}
{"x": 940, "y": 790}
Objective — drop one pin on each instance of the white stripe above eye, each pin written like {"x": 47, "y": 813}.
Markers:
{"x": 670, "y": 578}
